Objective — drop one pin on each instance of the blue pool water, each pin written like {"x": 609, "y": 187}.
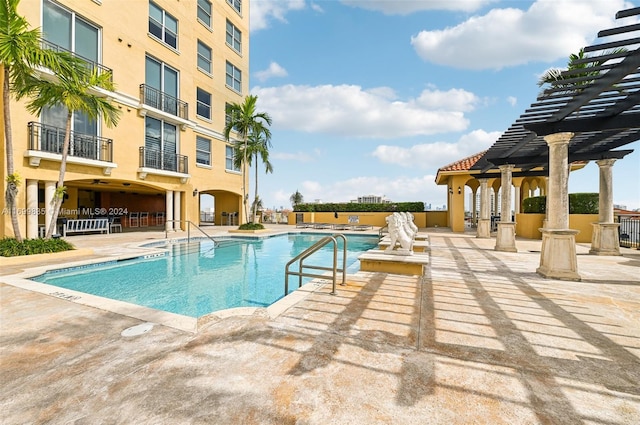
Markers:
{"x": 198, "y": 278}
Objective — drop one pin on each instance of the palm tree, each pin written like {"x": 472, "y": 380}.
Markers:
{"x": 74, "y": 91}
{"x": 20, "y": 55}
{"x": 243, "y": 119}
{"x": 258, "y": 143}
{"x": 580, "y": 69}
{"x": 296, "y": 199}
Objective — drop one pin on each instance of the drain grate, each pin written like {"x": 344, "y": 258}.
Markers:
{"x": 137, "y": 330}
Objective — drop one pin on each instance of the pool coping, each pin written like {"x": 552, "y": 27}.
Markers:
{"x": 173, "y": 320}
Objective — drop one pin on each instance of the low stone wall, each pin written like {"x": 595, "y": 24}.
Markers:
{"x": 527, "y": 225}
{"x": 421, "y": 219}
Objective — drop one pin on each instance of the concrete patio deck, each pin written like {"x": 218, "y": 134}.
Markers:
{"x": 480, "y": 338}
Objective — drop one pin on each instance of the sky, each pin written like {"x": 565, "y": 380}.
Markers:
{"x": 371, "y": 97}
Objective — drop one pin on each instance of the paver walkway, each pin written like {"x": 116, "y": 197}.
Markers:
{"x": 479, "y": 339}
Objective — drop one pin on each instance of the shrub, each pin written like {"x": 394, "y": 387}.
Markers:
{"x": 579, "y": 203}
{"x": 251, "y": 226}
{"x": 357, "y": 207}
{"x": 535, "y": 205}
{"x": 10, "y": 247}
{"x": 583, "y": 203}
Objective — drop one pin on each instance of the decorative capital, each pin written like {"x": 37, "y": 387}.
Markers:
{"x": 558, "y": 138}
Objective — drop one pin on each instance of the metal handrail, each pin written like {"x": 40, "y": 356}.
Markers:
{"x": 382, "y": 231}
{"x": 307, "y": 252}
{"x": 189, "y": 224}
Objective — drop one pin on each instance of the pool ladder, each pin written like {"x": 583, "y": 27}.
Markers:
{"x": 312, "y": 249}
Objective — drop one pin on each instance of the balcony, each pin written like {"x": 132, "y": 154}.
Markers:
{"x": 154, "y": 161}
{"x": 91, "y": 65}
{"x": 166, "y": 103}
{"x": 46, "y": 141}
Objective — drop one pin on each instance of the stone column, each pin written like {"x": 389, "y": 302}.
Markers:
{"x": 558, "y": 258}
{"x": 177, "y": 196}
{"x": 484, "y": 224}
{"x": 49, "y": 193}
{"x": 474, "y": 207}
{"x": 32, "y": 209}
{"x": 517, "y": 199}
{"x": 605, "y": 238}
{"x": 506, "y": 239}
{"x": 168, "y": 199}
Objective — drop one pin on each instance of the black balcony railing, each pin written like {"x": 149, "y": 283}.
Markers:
{"x": 47, "y": 138}
{"x": 629, "y": 231}
{"x": 91, "y": 65}
{"x": 160, "y": 160}
{"x": 166, "y": 103}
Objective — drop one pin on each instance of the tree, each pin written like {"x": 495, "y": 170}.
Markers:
{"x": 579, "y": 73}
{"x": 258, "y": 144}
{"x": 296, "y": 199}
{"x": 243, "y": 119}
{"x": 20, "y": 55}
{"x": 73, "y": 90}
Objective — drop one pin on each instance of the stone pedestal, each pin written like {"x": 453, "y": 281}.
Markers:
{"x": 506, "y": 239}
{"x": 558, "y": 258}
{"x": 484, "y": 229}
{"x": 604, "y": 240}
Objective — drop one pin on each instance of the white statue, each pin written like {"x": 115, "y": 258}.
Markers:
{"x": 410, "y": 223}
{"x": 398, "y": 235}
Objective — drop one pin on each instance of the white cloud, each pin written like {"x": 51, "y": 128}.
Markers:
{"x": 348, "y": 110}
{"x": 274, "y": 70}
{"x": 436, "y": 154}
{"x": 406, "y": 7}
{"x": 512, "y": 100}
{"x": 316, "y": 7}
{"x": 264, "y": 11}
{"x": 295, "y": 156}
{"x": 547, "y": 31}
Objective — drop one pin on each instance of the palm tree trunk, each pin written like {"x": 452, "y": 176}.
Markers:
{"x": 244, "y": 181}
{"x": 255, "y": 198}
{"x": 57, "y": 200}
{"x": 12, "y": 187}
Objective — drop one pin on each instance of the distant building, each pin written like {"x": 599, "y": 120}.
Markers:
{"x": 372, "y": 199}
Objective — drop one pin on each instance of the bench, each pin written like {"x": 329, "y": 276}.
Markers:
{"x": 86, "y": 225}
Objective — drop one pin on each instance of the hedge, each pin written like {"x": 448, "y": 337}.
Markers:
{"x": 579, "y": 203}
{"x": 357, "y": 207}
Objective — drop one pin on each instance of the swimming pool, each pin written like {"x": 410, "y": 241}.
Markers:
{"x": 197, "y": 278}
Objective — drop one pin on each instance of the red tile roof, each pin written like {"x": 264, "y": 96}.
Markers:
{"x": 464, "y": 164}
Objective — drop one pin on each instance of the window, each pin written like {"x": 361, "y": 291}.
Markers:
{"x": 163, "y": 26}
{"x": 160, "y": 143}
{"x": 234, "y": 37}
{"x": 236, "y": 4}
{"x": 234, "y": 77}
{"x": 227, "y": 115}
{"x": 204, "y": 57}
{"x": 162, "y": 83}
{"x": 67, "y": 30}
{"x": 204, "y": 12}
{"x": 203, "y": 107}
{"x": 229, "y": 156}
{"x": 203, "y": 151}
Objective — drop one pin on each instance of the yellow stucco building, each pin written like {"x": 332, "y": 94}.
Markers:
{"x": 175, "y": 66}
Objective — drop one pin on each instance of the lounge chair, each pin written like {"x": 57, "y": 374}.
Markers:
{"x": 362, "y": 227}
{"x": 323, "y": 226}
